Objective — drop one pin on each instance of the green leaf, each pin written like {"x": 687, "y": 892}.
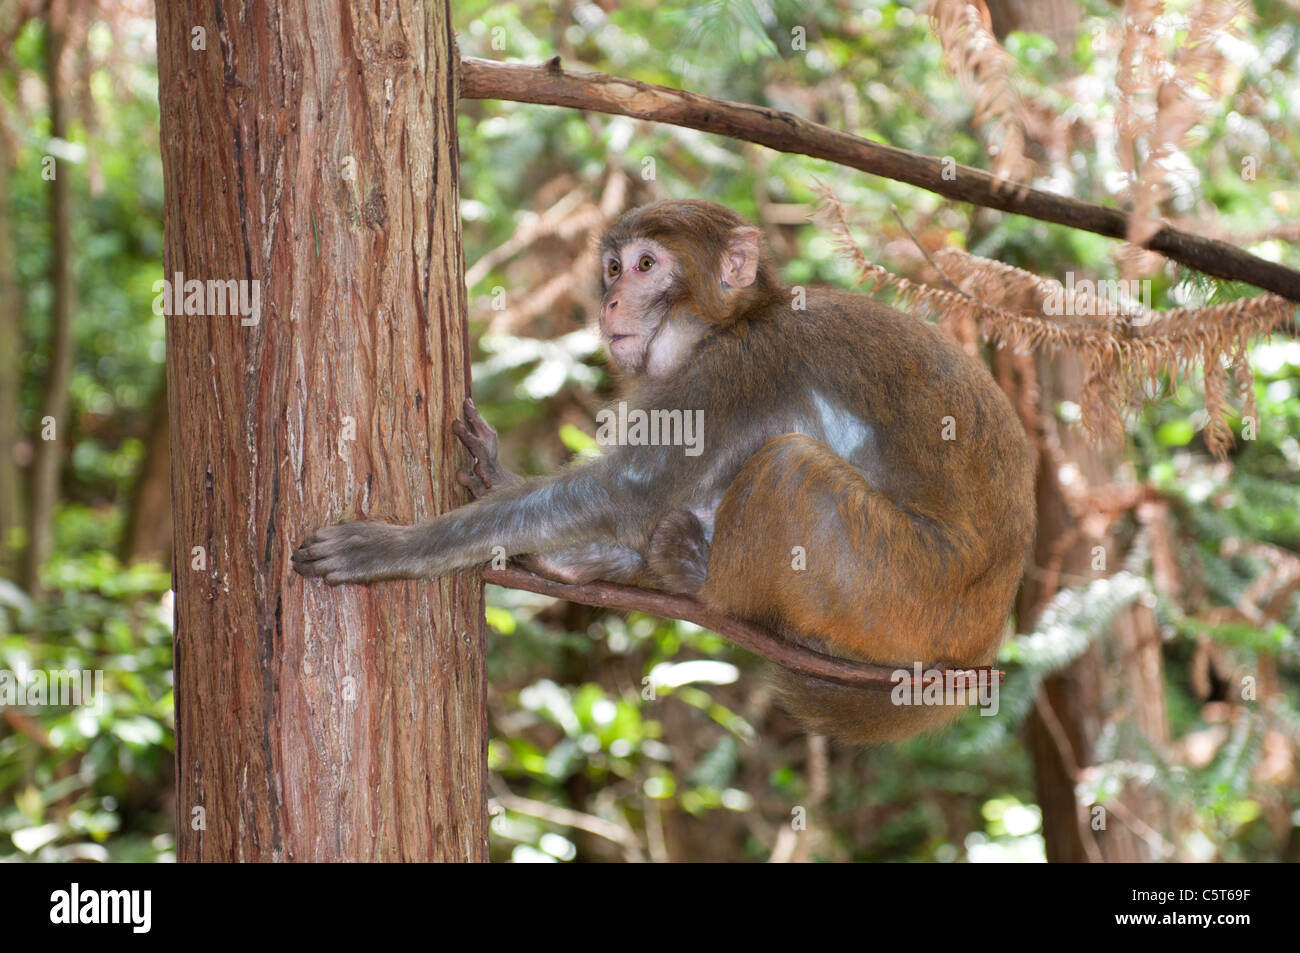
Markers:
{"x": 1175, "y": 433}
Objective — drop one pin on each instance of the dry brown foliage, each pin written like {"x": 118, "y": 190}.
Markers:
{"x": 1127, "y": 349}
{"x": 1162, "y": 97}
{"x": 985, "y": 71}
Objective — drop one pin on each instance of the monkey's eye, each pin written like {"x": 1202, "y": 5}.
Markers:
{"x": 645, "y": 263}
{"x": 613, "y": 268}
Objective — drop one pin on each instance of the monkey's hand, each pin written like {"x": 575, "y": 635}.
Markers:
{"x": 487, "y": 473}
{"x": 358, "y": 551}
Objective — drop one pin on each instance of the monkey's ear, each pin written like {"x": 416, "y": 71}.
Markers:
{"x": 740, "y": 261}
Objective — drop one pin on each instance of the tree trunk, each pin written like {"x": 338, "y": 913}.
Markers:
{"x": 1117, "y": 678}
{"x": 312, "y": 147}
{"x": 52, "y": 426}
{"x": 148, "y": 536}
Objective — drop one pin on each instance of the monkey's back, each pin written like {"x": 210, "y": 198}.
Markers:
{"x": 945, "y": 443}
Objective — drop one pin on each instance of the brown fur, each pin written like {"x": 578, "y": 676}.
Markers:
{"x": 916, "y": 559}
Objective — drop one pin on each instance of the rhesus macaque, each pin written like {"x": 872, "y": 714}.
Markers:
{"x": 865, "y": 489}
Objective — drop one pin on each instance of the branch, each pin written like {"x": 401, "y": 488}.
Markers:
{"x": 551, "y": 85}
{"x": 768, "y": 645}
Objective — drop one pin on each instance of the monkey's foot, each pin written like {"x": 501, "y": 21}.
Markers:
{"x": 358, "y": 551}
{"x": 679, "y": 552}
{"x": 480, "y": 440}
{"x": 487, "y": 473}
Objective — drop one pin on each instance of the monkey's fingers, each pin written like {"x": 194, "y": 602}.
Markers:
{"x": 462, "y": 435}
{"x": 356, "y": 551}
{"x": 316, "y": 547}
{"x": 473, "y": 481}
{"x": 472, "y": 442}
{"x": 479, "y": 429}
{"x": 478, "y": 480}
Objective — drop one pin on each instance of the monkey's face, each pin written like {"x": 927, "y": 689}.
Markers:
{"x": 672, "y": 270}
{"x": 637, "y": 313}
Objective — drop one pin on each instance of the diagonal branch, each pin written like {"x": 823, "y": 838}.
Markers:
{"x": 549, "y": 84}
{"x": 768, "y": 645}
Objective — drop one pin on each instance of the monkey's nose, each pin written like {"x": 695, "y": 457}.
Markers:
{"x": 609, "y": 308}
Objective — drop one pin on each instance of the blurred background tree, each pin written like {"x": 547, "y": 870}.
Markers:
{"x": 589, "y": 763}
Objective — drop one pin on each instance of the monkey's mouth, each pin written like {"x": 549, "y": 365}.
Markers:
{"x": 626, "y": 351}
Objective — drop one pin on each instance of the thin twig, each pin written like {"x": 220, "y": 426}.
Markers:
{"x": 943, "y": 275}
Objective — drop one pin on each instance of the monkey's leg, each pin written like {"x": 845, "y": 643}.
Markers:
{"x": 802, "y": 541}
{"x": 602, "y": 559}
{"x": 679, "y": 553}
{"x": 486, "y": 473}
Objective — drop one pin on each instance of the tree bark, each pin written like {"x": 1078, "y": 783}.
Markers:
{"x": 313, "y": 147}
{"x": 54, "y": 405}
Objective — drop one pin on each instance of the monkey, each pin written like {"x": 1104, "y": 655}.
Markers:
{"x": 863, "y": 487}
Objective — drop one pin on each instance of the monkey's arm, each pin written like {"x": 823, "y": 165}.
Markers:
{"x": 577, "y": 507}
{"x": 575, "y": 565}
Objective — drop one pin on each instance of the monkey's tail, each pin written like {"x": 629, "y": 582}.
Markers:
{"x": 857, "y": 716}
